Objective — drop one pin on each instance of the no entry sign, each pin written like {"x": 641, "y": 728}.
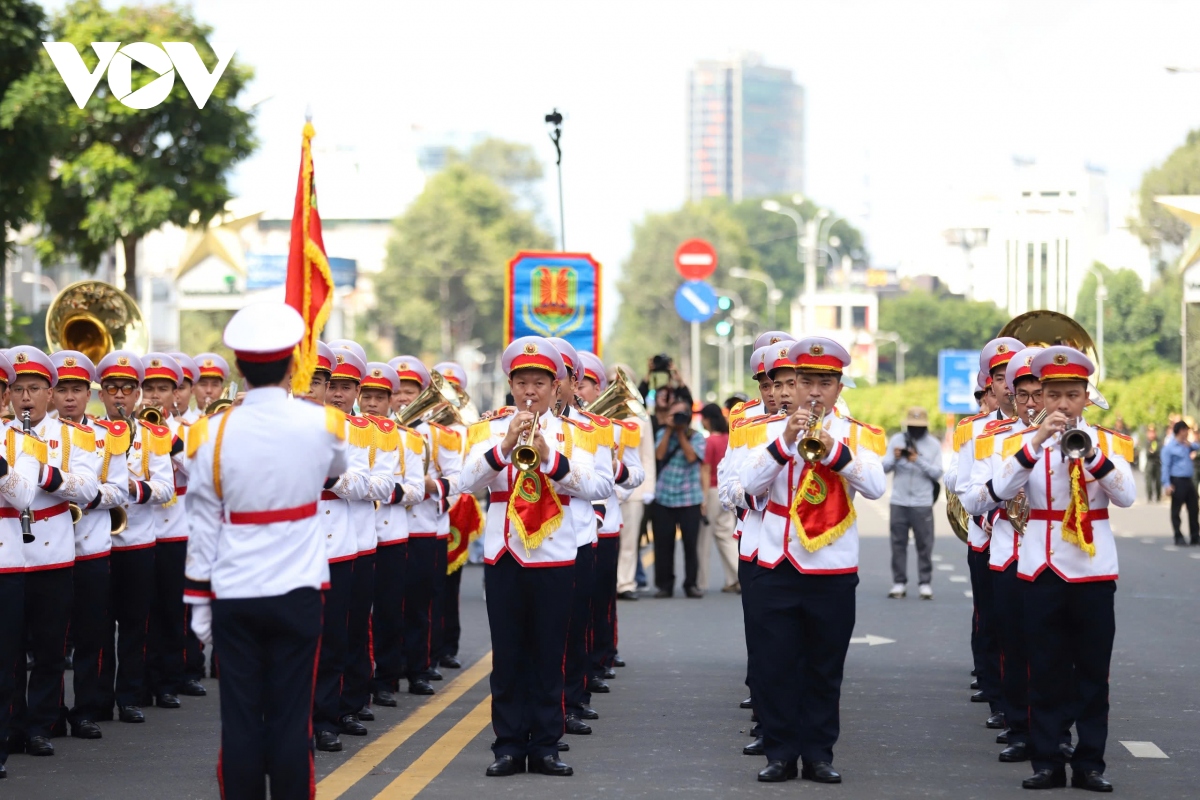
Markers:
{"x": 696, "y": 259}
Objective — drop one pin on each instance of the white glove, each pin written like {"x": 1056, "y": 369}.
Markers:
{"x": 202, "y": 622}
{"x": 647, "y": 498}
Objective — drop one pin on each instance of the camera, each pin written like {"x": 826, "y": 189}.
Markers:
{"x": 681, "y": 419}
{"x": 660, "y": 363}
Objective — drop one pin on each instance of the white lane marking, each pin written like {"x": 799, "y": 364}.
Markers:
{"x": 936, "y": 558}
{"x": 871, "y": 640}
{"x": 959, "y": 579}
{"x": 969, "y": 593}
{"x": 1148, "y": 541}
{"x": 1194, "y": 555}
{"x": 946, "y": 567}
{"x": 1172, "y": 548}
{"x": 1144, "y": 750}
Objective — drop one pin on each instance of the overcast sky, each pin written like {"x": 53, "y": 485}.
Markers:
{"x": 910, "y": 104}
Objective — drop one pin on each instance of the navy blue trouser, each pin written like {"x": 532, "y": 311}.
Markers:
{"x": 123, "y": 679}
{"x": 387, "y": 618}
{"x": 331, "y": 663}
{"x": 90, "y": 625}
{"x": 12, "y": 650}
{"x": 38, "y": 697}
{"x": 356, "y": 680}
{"x": 604, "y": 604}
{"x": 1008, "y": 590}
{"x": 985, "y": 646}
{"x": 579, "y": 633}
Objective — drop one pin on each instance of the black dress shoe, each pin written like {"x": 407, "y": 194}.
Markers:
{"x": 86, "y": 729}
{"x": 384, "y": 697}
{"x": 39, "y": 746}
{"x": 975, "y": 685}
{"x": 589, "y": 713}
{"x": 433, "y": 675}
{"x": 351, "y": 726}
{"x": 365, "y": 714}
{"x": 420, "y": 686}
{"x": 663, "y": 593}
{"x": 450, "y": 662}
{"x": 1045, "y": 779}
{"x": 1067, "y": 749}
{"x": 1002, "y": 737}
{"x": 192, "y": 688}
{"x": 549, "y": 765}
{"x": 627, "y": 596}
{"x": 328, "y": 742}
{"x": 167, "y": 700}
{"x": 1180, "y": 542}
{"x": 747, "y": 703}
{"x": 996, "y": 722}
{"x": 693, "y": 592}
{"x": 820, "y": 772}
{"x": 618, "y": 662}
{"x": 609, "y": 674}
{"x": 978, "y": 698}
{"x": 504, "y": 766}
{"x": 778, "y": 772}
{"x": 131, "y": 714}
{"x": 755, "y": 748}
{"x": 3, "y": 772}
{"x": 756, "y": 730}
{"x": 1091, "y": 780}
{"x": 597, "y": 686}
{"x": 576, "y": 726}
{"x": 562, "y": 746}
{"x": 1017, "y": 751}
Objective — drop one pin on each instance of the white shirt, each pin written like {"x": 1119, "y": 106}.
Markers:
{"x": 584, "y": 515}
{"x": 958, "y": 478}
{"x": 391, "y": 519}
{"x": 148, "y": 463}
{"x": 275, "y": 455}
{"x": 627, "y": 478}
{"x": 171, "y": 523}
{"x": 18, "y": 486}
{"x": 445, "y": 464}
{"x": 93, "y": 532}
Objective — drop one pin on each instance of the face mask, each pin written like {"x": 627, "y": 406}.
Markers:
{"x": 916, "y": 432}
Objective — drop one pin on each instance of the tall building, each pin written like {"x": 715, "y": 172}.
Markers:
{"x": 745, "y": 130}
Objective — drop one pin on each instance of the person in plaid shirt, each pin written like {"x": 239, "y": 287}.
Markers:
{"x": 678, "y": 500}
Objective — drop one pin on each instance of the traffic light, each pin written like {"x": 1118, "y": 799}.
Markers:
{"x": 724, "y": 303}
{"x": 724, "y": 326}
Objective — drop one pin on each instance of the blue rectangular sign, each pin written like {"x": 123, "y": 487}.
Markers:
{"x": 957, "y": 370}
{"x": 264, "y": 270}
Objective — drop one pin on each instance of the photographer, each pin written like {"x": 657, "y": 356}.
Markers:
{"x": 916, "y": 459}
{"x": 678, "y": 497}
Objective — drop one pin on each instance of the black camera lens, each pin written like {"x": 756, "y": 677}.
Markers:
{"x": 681, "y": 418}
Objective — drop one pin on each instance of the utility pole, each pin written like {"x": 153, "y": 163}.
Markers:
{"x": 555, "y": 120}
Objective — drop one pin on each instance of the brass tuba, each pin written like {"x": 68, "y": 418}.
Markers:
{"x": 95, "y": 318}
{"x": 960, "y": 520}
{"x": 621, "y": 400}
{"x": 1045, "y": 328}
{"x": 429, "y": 403}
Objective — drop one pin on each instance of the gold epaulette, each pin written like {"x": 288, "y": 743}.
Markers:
{"x": 1014, "y": 442}
{"x": 1121, "y": 445}
{"x": 116, "y": 439}
{"x": 29, "y": 445}
{"x": 985, "y": 443}
{"x": 868, "y": 436}
{"x": 362, "y": 434}
{"x": 754, "y": 429}
{"x": 157, "y": 439}
{"x": 965, "y": 430}
{"x": 604, "y": 431}
{"x": 82, "y": 436}
{"x": 740, "y": 410}
{"x": 387, "y": 435}
{"x": 479, "y": 432}
{"x": 415, "y": 441}
{"x": 446, "y": 438}
{"x": 584, "y": 434}
{"x": 335, "y": 422}
{"x": 631, "y": 432}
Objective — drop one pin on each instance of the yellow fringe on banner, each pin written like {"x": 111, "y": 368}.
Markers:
{"x": 306, "y": 351}
{"x": 1077, "y": 510}
{"x": 828, "y": 537}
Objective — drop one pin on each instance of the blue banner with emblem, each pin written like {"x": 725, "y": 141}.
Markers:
{"x": 554, "y": 294}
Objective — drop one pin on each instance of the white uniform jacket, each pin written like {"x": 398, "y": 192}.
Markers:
{"x": 749, "y": 509}
{"x": 628, "y": 475}
{"x": 363, "y": 484}
{"x": 773, "y": 467}
{"x": 958, "y": 478}
{"x": 572, "y": 472}
{"x": 430, "y": 517}
{"x": 148, "y": 463}
{"x": 979, "y": 500}
{"x": 587, "y": 517}
{"x": 255, "y": 530}
{"x": 391, "y": 518}
{"x": 69, "y": 476}
{"x": 18, "y": 485}
{"x": 171, "y": 525}
{"x": 93, "y": 532}
{"x": 1044, "y": 475}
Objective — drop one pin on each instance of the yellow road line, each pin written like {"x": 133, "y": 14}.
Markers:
{"x": 408, "y": 784}
{"x": 336, "y": 783}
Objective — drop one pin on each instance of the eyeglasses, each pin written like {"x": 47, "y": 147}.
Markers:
{"x": 123, "y": 391}
{"x": 29, "y": 390}
{"x": 1025, "y": 397}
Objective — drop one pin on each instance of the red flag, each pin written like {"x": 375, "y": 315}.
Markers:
{"x": 309, "y": 286}
{"x": 466, "y": 523}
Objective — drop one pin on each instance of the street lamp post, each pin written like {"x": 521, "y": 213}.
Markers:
{"x": 806, "y": 233}
{"x": 773, "y": 294}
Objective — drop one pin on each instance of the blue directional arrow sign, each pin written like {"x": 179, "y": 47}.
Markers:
{"x": 695, "y": 301}
{"x": 957, "y": 370}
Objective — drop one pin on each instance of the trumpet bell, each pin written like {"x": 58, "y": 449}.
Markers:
{"x": 1075, "y": 443}
{"x": 95, "y": 318}
{"x": 76, "y": 513}
{"x": 118, "y": 521}
{"x": 621, "y": 400}
{"x": 217, "y": 406}
{"x": 958, "y": 517}
{"x": 151, "y": 414}
{"x": 525, "y": 457}
{"x": 429, "y": 403}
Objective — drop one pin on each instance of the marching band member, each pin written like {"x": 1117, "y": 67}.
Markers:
{"x": 68, "y": 476}
{"x": 90, "y": 622}
{"x": 424, "y": 579}
{"x": 585, "y": 518}
{"x": 628, "y": 474}
{"x": 214, "y": 372}
{"x": 993, "y": 361}
{"x": 1071, "y": 472}
{"x": 183, "y": 393}
{"x": 464, "y": 511}
{"x": 529, "y": 552}
{"x": 20, "y": 469}
{"x": 802, "y": 586}
{"x": 257, "y": 559}
{"x": 1002, "y": 559}
{"x": 150, "y": 482}
{"x": 633, "y": 509}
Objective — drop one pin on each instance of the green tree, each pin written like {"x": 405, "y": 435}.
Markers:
{"x": 929, "y": 323}
{"x": 122, "y": 172}
{"x": 443, "y": 279}
{"x": 513, "y": 165}
{"x": 1179, "y": 174}
{"x": 1137, "y": 338}
{"x": 24, "y": 145}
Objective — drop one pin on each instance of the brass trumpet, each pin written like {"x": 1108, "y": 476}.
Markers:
{"x": 223, "y": 402}
{"x": 1075, "y": 442}
{"x": 525, "y": 455}
{"x": 810, "y": 446}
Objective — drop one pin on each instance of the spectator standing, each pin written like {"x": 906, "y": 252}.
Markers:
{"x": 1178, "y": 482}
{"x": 1152, "y": 451}
{"x": 678, "y": 495}
{"x": 716, "y": 523}
{"x": 915, "y": 458}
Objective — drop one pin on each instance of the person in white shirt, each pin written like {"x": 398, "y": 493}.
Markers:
{"x": 210, "y": 385}
{"x": 257, "y": 558}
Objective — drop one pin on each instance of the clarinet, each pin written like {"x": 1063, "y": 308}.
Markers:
{"x": 26, "y": 514}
